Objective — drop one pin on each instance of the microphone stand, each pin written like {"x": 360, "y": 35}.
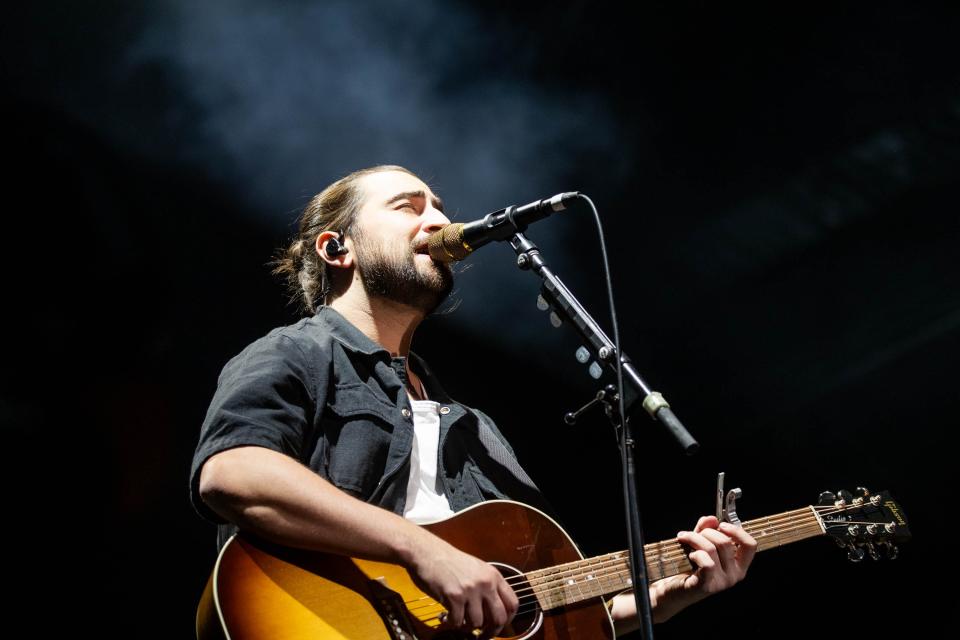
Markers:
{"x": 635, "y": 392}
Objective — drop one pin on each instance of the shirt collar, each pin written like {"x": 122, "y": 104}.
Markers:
{"x": 347, "y": 334}
{"x": 344, "y": 332}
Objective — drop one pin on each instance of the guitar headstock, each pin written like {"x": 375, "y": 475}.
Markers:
{"x": 863, "y": 523}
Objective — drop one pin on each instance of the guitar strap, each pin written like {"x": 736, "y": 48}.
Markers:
{"x": 489, "y": 440}
{"x": 501, "y": 455}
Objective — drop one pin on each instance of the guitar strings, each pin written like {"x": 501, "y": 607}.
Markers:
{"x": 559, "y": 578}
{"x": 598, "y": 568}
{"x": 535, "y": 601}
{"x": 523, "y": 595}
{"x": 531, "y": 602}
{"x": 531, "y": 596}
{"x": 562, "y": 573}
{"x": 677, "y": 550}
{"x": 771, "y": 526}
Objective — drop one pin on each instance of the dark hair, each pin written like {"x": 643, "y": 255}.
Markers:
{"x": 333, "y": 209}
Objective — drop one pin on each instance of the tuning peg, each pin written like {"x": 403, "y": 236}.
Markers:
{"x": 827, "y": 498}
{"x": 844, "y": 496}
{"x": 890, "y": 550}
{"x": 854, "y": 554}
{"x": 872, "y": 550}
{"x": 861, "y": 493}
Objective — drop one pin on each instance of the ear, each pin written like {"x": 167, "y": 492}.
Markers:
{"x": 342, "y": 261}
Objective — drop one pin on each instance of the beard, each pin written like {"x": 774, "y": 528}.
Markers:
{"x": 393, "y": 273}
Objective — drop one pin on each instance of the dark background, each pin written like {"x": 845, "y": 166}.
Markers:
{"x": 777, "y": 190}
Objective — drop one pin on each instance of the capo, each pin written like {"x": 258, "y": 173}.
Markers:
{"x": 727, "y": 508}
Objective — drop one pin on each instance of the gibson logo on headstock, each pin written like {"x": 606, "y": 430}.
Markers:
{"x": 892, "y": 506}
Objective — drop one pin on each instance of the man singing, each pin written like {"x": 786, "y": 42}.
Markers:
{"x": 331, "y": 435}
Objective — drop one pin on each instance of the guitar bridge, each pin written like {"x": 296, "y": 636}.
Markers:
{"x": 392, "y": 610}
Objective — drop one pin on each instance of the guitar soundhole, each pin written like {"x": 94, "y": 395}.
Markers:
{"x": 525, "y": 623}
{"x": 529, "y": 616}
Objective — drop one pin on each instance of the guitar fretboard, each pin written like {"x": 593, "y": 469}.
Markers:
{"x": 573, "y": 582}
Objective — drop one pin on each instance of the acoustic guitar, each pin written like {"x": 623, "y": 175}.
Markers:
{"x": 262, "y": 591}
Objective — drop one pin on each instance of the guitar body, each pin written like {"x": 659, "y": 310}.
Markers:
{"x": 262, "y": 591}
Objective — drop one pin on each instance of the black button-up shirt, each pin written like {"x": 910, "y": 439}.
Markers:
{"x": 323, "y": 393}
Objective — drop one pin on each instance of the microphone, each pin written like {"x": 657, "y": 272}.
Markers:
{"x": 458, "y": 240}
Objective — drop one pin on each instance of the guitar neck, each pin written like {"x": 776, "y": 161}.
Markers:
{"x": 576, "y": 581}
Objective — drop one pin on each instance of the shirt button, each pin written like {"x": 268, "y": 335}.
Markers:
{"x": 405, "y": 412}
{"x": 444, "y": 410}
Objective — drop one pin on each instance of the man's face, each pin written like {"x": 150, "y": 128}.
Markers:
{"x": 398, "y": 214}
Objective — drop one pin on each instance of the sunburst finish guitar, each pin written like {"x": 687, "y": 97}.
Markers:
{"x": 262, "y": 591}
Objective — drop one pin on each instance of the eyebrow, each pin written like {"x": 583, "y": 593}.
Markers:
{"x": 406, "y": 195}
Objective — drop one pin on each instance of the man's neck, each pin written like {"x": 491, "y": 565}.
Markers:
{"x": 388, "y": 323}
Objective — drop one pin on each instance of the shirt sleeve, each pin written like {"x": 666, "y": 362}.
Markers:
{"x": 265, "y": 397}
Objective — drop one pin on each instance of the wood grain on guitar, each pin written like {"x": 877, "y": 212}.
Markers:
{"x": 262, "y": 591}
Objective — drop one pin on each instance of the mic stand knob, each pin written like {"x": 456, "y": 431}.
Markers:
{"x": 607, "y": 395}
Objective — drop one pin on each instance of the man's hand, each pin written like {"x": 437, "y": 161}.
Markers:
{"x": 473, "y": 592}
{"x": 722, "y": 554}
{"x": 277, "y": 498}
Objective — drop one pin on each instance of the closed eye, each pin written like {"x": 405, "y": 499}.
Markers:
{"x": 418, "y": 196}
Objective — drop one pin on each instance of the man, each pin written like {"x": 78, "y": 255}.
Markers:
{"x": 331, "y": 435}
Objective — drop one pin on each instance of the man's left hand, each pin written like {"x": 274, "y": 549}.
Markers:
{"x": 722, "y": 553}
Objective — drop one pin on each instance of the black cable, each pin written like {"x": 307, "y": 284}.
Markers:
{"x": 629, "y": 484}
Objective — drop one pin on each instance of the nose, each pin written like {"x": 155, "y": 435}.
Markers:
{"x": 433, "y": 219}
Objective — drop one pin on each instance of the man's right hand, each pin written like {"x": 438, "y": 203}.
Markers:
{"x": 277, "y": 498}
{"x": 474, "y": 593}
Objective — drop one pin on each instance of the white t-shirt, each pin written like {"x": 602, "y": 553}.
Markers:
{"x": 424, "y": 504}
